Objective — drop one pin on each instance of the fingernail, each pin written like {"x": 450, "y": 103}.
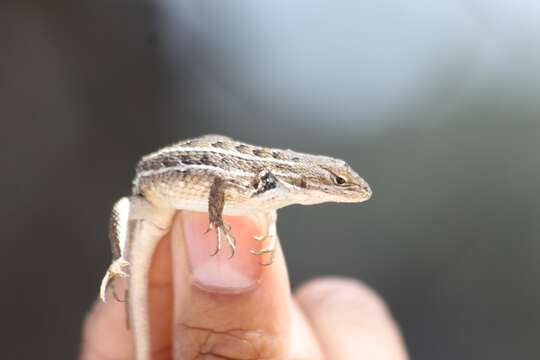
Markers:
{"x": 220, "y": 273}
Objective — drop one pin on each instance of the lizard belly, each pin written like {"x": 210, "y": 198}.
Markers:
{"x": 202, "y": 205}
{"x": 181, "y": 195}
{"x": 196, "y": 203}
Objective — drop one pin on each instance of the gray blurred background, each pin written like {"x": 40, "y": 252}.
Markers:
{"x": 437, "y": 104}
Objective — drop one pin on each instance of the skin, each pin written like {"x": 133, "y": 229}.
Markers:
{"x": 326, "y": 318}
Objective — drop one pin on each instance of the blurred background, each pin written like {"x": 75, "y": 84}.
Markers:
{"x": 436, "y": 104}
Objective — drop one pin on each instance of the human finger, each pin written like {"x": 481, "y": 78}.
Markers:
{"x": 350, "y": 320}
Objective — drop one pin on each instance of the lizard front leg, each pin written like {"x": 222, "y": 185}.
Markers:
{"x": 266, "y": 183}
{"x": 269, "y": 220}
{"x": 216, "y": 203}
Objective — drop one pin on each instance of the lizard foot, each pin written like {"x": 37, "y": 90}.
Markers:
{"x": 262, "y": 237}
{"x": 115, "y": 270}
{"x": 223, "y": 230}
{"x": 271, "y": 249}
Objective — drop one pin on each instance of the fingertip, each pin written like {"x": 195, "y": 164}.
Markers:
{"x": 215, "y": 269}
{"x": 230, "y": 308}
{"x": 341, "y": 289}
{"x": 351, "y": 320}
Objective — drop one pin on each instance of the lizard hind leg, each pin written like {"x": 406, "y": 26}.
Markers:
{"x": 118, "y": 233}
{"x": 115, "y": 271}
{"x": 216, "y": 203}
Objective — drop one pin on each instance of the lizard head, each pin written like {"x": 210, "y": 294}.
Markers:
{"x": 311, "y": 179}
{"x": 329, "y": 179}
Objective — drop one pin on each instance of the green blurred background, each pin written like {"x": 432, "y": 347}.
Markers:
{"x": 436, "y": 104}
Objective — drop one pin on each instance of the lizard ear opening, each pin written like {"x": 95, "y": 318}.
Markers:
{"x": 264, "y": 181}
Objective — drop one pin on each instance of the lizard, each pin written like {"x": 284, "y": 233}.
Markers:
{"x": 217, "y": 174}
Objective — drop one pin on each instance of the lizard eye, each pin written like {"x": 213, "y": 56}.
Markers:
{"x": 339, "y": 180}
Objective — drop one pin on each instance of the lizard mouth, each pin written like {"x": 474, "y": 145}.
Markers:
{"x": 365, "y": 189}
{"x": 359, "y": 192}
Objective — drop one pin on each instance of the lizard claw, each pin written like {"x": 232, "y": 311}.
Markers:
{"x": 221, "y": 231}
{"x": 218, "y": 239}
{"x": 271, "y": 249}
{"x": 115, "y": 270}
{"x": 261, "y": 237}
{"x": 265, "y": 251}
{"x": 232, "y": 243}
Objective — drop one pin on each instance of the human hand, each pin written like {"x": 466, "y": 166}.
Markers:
{"x": 204, "y": 307}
